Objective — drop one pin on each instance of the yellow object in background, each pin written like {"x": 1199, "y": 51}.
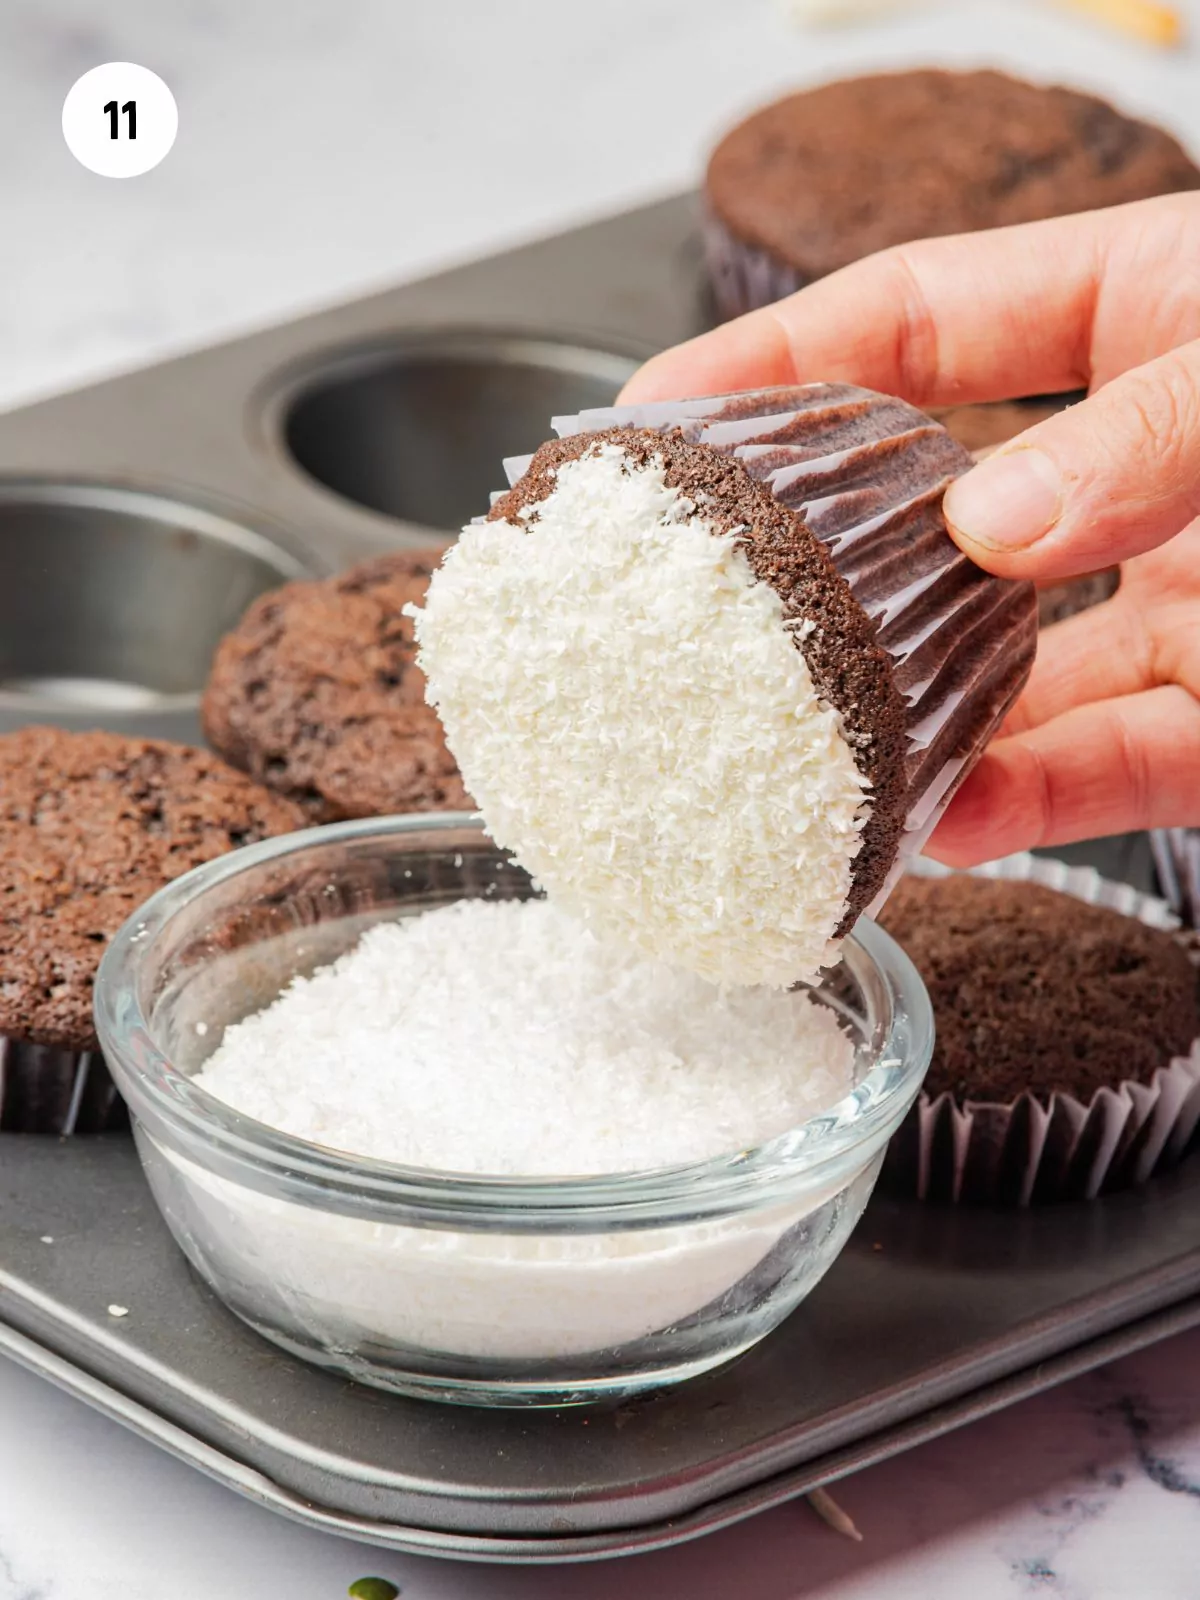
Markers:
{"x": 1144, "y": 19}
{"x": 1147, "y": 20}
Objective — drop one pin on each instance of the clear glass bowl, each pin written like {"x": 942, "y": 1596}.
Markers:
{"x": 460, "y": 1287}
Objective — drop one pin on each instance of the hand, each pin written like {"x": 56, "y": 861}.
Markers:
{"x": 1106, "y": 737}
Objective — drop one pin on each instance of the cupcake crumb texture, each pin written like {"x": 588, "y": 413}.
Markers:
{"x": 316, "y": 694}
{"x": 1037, "y": 991}
{"x": 824, "y": 177}
{"x": 91, "y": 825}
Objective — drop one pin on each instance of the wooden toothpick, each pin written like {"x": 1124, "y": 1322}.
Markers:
{"x": 830, "y": 1513}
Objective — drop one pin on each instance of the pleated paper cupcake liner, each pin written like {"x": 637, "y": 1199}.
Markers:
{"x": 867, "y": 474}
{"x": 1044, "y": 1148}
{"x": 1177, "y": 863}
{"x": 47, "y": 1090}
{"x": 743, "y": 277}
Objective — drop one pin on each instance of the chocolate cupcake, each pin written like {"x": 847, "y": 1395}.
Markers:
{"x": 92, "y": 824}
{"x": 821, "y": 178}
{"x": 1067, "y": 1061}
{"x": 316, "y": 694}
{"x": 711, "y": 668}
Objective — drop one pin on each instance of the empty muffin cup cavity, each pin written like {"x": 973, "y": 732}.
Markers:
{"x": 416, "y": 430}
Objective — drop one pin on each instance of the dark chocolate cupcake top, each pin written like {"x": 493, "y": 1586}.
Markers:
{"x": 824, "y": 177}
{"x": 91, "y": 825}
{"x": 316, "y": 693}
{"x": 1038, "y": 991}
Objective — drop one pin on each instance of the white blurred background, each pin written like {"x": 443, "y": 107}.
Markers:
{"x": 328, "y": 147}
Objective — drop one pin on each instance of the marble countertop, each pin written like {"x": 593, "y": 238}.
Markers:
{"x": 1089, "y": 1492}
{"x": 327, "y": 149}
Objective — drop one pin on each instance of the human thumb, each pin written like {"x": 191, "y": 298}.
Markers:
{"x": 1104, "y": 480}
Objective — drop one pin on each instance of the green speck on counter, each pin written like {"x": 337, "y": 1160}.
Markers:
{"x": 372, "y": 1589}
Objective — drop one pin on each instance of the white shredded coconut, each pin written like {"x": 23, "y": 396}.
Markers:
{"x": 505, "y": 1038}
{"x": 628, "y": 707}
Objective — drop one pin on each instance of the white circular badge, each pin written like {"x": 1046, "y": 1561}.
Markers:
{"x": 119, "y": 120}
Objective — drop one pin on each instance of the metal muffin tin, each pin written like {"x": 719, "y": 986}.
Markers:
{"x": 137, "y": 519}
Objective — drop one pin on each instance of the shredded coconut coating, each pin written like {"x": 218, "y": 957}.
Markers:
{"x": 504, "y": 1038}
{"x": 632, "y": 713}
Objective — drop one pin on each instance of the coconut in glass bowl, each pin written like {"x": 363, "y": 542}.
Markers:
{"x": 485, "y": 1287}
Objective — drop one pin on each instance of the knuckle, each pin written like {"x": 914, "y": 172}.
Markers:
{"x": 917, "y": 352}
{"x": 1040, "y": 789}
{"x": 1159, "y": 406}
{"x": 1134, "y": 637}
{"x": 1135, "y": 777}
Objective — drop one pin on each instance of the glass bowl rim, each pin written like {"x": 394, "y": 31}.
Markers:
{"x": 860, "y": 1121}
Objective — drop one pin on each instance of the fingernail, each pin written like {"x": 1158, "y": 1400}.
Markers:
{"x": 1007, "y": 502}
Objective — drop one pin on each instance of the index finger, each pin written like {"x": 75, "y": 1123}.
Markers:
{"x": 1114, "y": 766}
{"x": 970, "y": 317}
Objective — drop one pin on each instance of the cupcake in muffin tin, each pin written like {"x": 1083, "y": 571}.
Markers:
{"x": 92, "y": 824}
{"x": 317, "y": 695}
{"x": 1067, "y": 1061}
{"x": 821, "y": 178}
